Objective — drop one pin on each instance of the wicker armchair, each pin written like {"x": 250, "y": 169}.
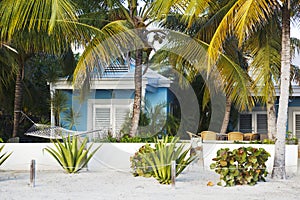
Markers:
{"x": 208, "y": 135}
{"x": 251, "y": 136}
{"x": 235, "y": 136}
{"x": 193, "y": 135}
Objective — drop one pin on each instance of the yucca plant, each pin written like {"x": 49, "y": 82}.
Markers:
{"x": 3, "y": 156}
{"x": 71, "y": 155}
{"x": 160, "y": 159}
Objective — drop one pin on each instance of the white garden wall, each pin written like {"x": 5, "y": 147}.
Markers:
{"x": 116, "y": 156}
{"x": 23, "y": 153}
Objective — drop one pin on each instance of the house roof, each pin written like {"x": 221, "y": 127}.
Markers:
{"x": 118, "y": 80}
{"x": 295, "y": 91}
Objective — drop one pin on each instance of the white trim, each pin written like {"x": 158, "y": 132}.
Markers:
{"x": 104, "y": 83}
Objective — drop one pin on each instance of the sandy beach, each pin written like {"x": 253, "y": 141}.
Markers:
{"x": 111, "y": 184}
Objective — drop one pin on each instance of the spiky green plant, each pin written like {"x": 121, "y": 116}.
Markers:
{"x": 3, "y": 156}
{"x": 161, "y": 157}
{"x": 70, "y": 154}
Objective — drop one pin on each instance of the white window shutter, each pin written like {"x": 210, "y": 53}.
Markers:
{"x": 120, "y": 116}
{"x": 102, "y": 119}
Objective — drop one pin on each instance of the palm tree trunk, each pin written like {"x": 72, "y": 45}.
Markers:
{"x": 271, "y": 118}
{"x": 279, "y": 159}
{"x": 18, "y": 100}
{"x": 138, "y": 93}
{"x": 226, "y": 116}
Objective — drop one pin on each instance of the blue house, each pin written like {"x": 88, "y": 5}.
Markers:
{"x": 256, "y": 120}
{"x": 110, "y": 98}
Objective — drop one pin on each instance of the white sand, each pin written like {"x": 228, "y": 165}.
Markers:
{"x": 192, "y": 184}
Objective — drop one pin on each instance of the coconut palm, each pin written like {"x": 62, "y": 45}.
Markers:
{"x": 97, "y": 50}
{"x": 31, "y": 26}
{"x": 201, "y": 29}
{"x": 244, "y": 18}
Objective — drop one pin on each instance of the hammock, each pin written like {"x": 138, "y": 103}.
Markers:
{"x": 57, "y": 132}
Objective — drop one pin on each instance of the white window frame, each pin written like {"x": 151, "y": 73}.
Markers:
{"x": 106, "y": 103}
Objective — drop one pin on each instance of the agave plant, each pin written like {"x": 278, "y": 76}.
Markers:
{"x": 70, "y": 154}
{"x": 164, "y": 153}
{"x": 3, "y": 156}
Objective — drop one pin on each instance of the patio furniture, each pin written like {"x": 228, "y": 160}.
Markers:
{"x": 209, "y": 135}
{"x": 235, "y": 136}
{"x": 251, "y": 136}
{"x": 193, "y": 135}
{"x": 222, "y": 136}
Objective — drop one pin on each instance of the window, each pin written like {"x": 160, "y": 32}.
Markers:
{"x": 246, "y": 123}
{"x": 296, "y": 124}
{"x": 261, "y": 123}
{"x": 108, "y": 114}
{"x": 253, "y": 122}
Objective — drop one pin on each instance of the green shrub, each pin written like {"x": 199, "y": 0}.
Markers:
{"x": 3, "y": 156}
{"x": 245, "y": 165}
{"x": 71, "y": 155}
{"x": 268, "y": 141}
{"x": 138, "y": 163}
{"x": 156, "y": 161}
{"x": 292, "y": 140}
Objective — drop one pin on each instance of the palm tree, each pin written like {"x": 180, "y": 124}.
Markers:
{"x": 34, "y": 26}
{"x": 30, "y": 28}
{"x": 244, "y": 18}
{"x": 135, "y": 19}
{"x": 201, "y": 28}
{"x": 264, "y": 50}
{"x": 279, "y": 161}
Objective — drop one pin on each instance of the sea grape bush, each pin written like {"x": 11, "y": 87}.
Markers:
{"x": 245, "y": 165}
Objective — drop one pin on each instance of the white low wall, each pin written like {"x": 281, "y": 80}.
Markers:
{"x": 116, "y": 156}
{"x": 23, "y": 153}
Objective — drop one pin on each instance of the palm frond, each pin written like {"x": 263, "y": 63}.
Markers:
{"x": 295, "y": 46}
{"x": 264, "y": 50}
{"x": 226, "y": 75}
{"x": 111, "y": 42}
{"x": 20, "y": 15}
{"x": 241, "y": 20}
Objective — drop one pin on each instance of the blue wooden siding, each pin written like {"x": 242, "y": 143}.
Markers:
{"x": 157, "y": 97}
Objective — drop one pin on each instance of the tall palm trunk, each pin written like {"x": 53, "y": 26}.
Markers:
{"x": 18, "y": 100}
{"x": 137, "y": 73}
{"x": 226, "y": 116}
{"x": 138, "y": 93}
{"x": 271, "y": 118}
{"x": 279, "y": 160}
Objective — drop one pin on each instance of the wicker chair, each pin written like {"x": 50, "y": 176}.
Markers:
{"x": 251, "y": 136}
{"x": 193, "y": 135}
{"x": 235, "y": 136}
{"x": 208, "y": 135}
